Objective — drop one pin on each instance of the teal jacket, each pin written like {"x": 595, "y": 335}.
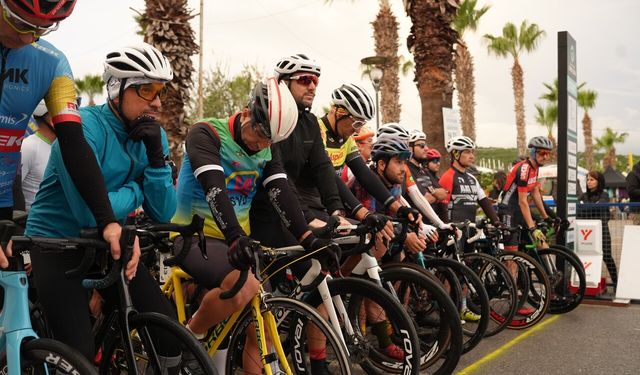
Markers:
{"x": 60, "y": 211}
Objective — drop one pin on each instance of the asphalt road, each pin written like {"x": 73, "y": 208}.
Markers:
{"x": 593, "y": 339}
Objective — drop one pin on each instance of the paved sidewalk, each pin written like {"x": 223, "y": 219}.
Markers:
{"x": 592, "y": 339}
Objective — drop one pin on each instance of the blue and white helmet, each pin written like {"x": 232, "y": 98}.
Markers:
{"x": 388, "y": 146}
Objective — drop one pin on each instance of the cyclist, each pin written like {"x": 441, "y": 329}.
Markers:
{"x": 419, "y": 170}
{"x": 226, "y": 159}
{"x": 131, "y": 148}
{"x": 303, "y": 157}
{"x": 35, "y": 154}
{"x": 464, "y": 194}
{"x": 351, "y": 108}
{"x": 522, "y": 181}
{"x": 34, "y": 69}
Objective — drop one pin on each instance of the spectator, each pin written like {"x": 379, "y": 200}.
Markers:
{"x": 633, "y": 189}
{"x": 595, "y": 194}
{"x": 35, "y": 154}
{"x": 498, "y": 184}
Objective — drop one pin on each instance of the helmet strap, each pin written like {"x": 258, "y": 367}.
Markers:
{"x": 455, "y": 155}
{"x": 118, "y": 109}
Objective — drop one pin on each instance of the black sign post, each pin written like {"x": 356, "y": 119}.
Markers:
{"x": 567, "y": 134}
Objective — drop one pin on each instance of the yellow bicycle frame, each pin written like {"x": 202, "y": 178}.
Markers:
{"x": 262, "y": 320}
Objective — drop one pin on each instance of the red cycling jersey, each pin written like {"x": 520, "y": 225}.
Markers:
{"x": 522, "y": 178}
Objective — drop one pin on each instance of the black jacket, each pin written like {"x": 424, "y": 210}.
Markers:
{"x": 633, "y": 183}
{"x": 307, "y": 166}
{"x": 590, "y": 198}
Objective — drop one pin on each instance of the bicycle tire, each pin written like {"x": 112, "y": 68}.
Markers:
{"x": 501, "y": 289}
{"x": 292, "y": 321}
{"x": 433, "y": 313}
{"x": 354, "y": 291}
{"x": 564, "y": 298}
{"x": 478, "y": 300}
{"x": 536, "y": 281}
{"x": 58, "y": 357}
{"x": 192, "y": 358}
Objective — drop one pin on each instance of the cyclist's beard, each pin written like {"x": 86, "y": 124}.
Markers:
{"x": 420, "y": 160}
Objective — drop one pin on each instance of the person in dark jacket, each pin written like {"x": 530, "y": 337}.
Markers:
{"x": 633, "y": 189}
{"x": 595, "y": 194}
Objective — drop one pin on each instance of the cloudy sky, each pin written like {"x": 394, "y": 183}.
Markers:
{"x": 338, "y": 35}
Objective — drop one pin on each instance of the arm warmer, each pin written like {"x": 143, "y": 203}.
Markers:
{"x": 81, "y": 163}
{"x": 423, "y": 206}
{"x": 487, "y": 207}
{"x": 289, "y": 210}
{"x": 370, "y": 181}
{"x": 203, "y": 149}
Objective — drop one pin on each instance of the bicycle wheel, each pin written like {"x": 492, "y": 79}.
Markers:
{"x": 500, "y": 287}
{"x": 533, "y": 288}
{"x": 58, "y": 358}
{"x": 186, "y": 354}
{"x": 475, "y": 294}
{"x": 567, "y": 279}
{"x": 378, "y": 322}
{"x": 293, "y": 318}
{"x": 432, "y": 312}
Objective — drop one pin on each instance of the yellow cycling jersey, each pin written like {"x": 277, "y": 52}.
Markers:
{"x": 339, "y": 151}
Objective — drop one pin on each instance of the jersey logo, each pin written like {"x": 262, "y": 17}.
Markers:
{"x": 11, "y": 140}
{"x": 15, "y": 75}
{"x": 524, "y": 171}
{"x": 243, "y": 182}
{"x": 12, "y": 120}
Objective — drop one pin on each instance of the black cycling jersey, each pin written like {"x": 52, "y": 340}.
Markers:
{"x": 463, "y": 194}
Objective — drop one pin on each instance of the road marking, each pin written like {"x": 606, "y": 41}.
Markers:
{"x": 501, "y": 350}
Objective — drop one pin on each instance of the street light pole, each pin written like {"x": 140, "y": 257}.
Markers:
{"x": 375, "y": 75}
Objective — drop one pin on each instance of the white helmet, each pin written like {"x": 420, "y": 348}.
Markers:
{"x": 355, "y": 99}
{"x": 41, "y": 109}
{"x": 460, "y": 143}
{"x": 417, "y": 135}
{"x": 395, "y": 130}
{"x": 272, "y": 103}
{"x": 294, "y": 64}
{"x": 142, "y": 61}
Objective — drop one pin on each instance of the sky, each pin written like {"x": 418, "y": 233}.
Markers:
{"x": 339, "y": 34}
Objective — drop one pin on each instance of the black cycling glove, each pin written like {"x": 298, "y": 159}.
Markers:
{"x": 240, "y": 252}
{"x": 405, "y": 211}
{"x": 147, "y": 129}
{"x": 375, "y": 221}
{"x": 331, "y": 250}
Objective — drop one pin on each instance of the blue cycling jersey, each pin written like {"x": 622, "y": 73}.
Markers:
{"x": 28, "y": 75}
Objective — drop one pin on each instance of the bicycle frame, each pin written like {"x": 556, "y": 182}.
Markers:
{"x": 265, "y": 322}
{"x": 15, "y": 321}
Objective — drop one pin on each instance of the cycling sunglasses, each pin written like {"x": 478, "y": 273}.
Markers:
{"x": 23, "y": 26}
{"x": 149, "y": 91}
{"x": 437, "y": 161}
{"x": 306, "y": 79}
{"x": 544, "y": 153}
{"x": 357, "y": 123}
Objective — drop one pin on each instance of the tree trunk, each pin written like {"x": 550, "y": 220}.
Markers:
{"x": 466, "y": 86}
{"x": 518, "y": 93}
{"x": 554, "y": 153}
{"x": 431, "y": 41}
{"x": 385, "y": 34}
{"x": 609, "y": 158}
{"x": 168, "y": 29}
{"x": 588, "y": 141}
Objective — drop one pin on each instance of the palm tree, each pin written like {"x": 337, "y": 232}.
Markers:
{"x": 467, "y": 18}
{"x": 514, "y": 42}
{"x": 91, "y": 84}
{"x": 607, "y": 143}
{"x": 586, "y": 101}
{"x": 166, "y": 26}
{"x": 547, "y": 117}
{"x": 431, "y": 41}
{"x": 385, "y": 36}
